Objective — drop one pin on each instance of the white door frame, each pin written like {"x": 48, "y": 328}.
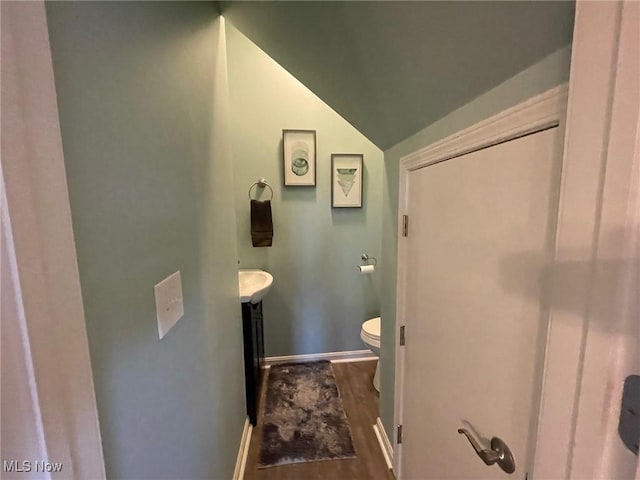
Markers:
{"x": 588, "y": 122}
{"x": 603, "y": 129}
{"x": 42, "y": 265}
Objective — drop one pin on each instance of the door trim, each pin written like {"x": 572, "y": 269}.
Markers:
{"x": 597, "y": 223}
{"x": 543, "y": 111}
{"x": 537, "y": 113}
{"x": 43, "y": 267}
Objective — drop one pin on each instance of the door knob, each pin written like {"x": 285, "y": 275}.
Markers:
{"x": 499, "y": 452}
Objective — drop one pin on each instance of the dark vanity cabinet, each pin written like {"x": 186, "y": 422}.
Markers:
{"x": 253, "y": 355}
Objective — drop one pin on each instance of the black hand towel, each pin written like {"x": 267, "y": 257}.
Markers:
{"x": 261, "y": 223}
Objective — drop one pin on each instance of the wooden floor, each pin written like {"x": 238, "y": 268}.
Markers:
{"x": 360, "y": 402}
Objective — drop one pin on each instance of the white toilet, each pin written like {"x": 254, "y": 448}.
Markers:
{"x": 370, "y": 335}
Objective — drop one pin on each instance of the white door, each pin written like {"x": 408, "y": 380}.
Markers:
{"x": 481, "y": 234}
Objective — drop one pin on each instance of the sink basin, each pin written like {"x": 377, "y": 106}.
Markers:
{"x": 254, "y": 285}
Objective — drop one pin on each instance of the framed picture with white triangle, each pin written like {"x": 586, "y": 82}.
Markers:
{"x": 346, "y": 180}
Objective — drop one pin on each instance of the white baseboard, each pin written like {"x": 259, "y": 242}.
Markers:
{"x": 385, "y": 444}
{"x": 334, "y": 357}
{"x": 243, "y": 451}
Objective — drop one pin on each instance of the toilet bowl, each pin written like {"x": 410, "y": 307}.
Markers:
{"x": 370, "y": 335}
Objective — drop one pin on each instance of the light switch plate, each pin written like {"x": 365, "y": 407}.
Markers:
{"x": 169, "y": 307}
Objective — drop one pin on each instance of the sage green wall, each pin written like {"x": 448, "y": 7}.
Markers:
{"x": 318, "y": 300}
{"x": 143, "y": 100}
{"x": 548, "y": 73}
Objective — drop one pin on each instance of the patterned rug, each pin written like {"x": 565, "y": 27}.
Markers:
{"x": 304, "y": 420}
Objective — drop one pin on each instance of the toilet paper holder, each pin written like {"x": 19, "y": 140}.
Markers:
{"x": 367, "y": 258}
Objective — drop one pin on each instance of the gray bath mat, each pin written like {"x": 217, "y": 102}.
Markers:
{"x": 304, "y": 420}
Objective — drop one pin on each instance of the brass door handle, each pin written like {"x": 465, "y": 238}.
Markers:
{"x": 499, "y": 452}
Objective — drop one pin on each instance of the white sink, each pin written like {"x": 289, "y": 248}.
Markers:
{"x": 254, "y": 285}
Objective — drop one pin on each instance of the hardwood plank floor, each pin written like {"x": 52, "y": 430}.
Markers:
{"x": 360, "y": 402}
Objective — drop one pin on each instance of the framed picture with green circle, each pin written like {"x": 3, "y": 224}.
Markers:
{"x": 299, "y": 152}
{"x": 346, "y": 180}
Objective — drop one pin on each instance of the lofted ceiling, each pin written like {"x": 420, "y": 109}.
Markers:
{"x": 391, "y": 68}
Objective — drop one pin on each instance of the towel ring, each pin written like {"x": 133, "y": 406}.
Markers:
{"x": 261, "y": 183}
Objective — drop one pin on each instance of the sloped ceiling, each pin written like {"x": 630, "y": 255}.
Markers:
{"x": 391, "y": 68}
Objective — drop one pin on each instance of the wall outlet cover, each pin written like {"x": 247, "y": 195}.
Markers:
{"x": 169, "y": 306}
